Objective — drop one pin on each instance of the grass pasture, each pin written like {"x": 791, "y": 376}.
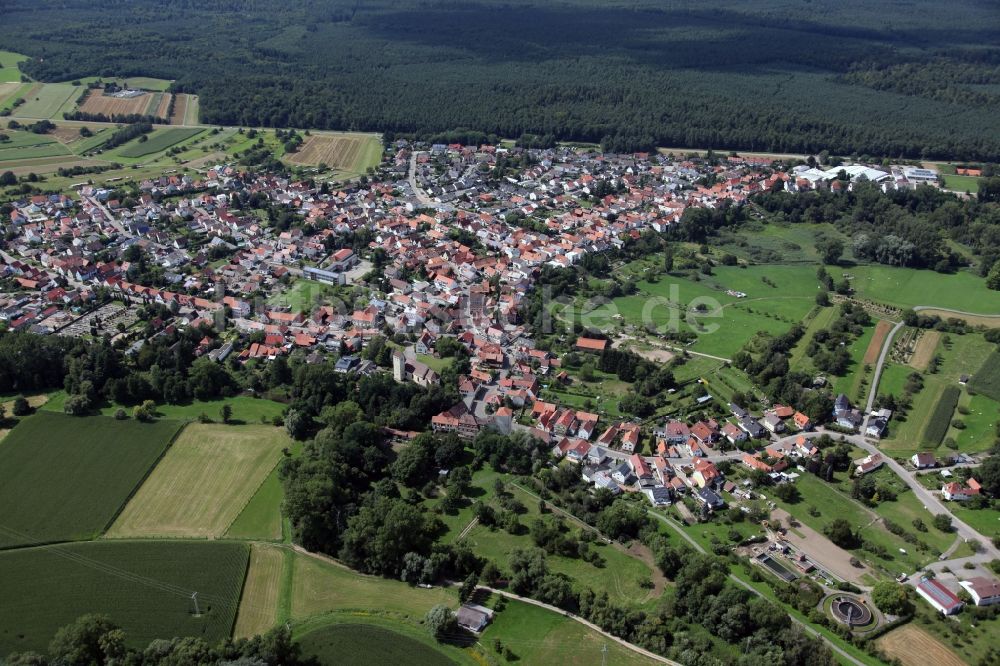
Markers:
{"x": 66, "y": 478}
{"x": 159, "y": 139}
{"x": 722, "y": 330}
{"x": 910, "y": 287}
{"x": 32, "y": 152}
{"x": 148, "y": 83}
{"x": 245, "y": 408}
{"x": 15, "y": 153}
{"x": 47, "y": 100}
{"x": 321, "y": 586}
{"x": 8, "y": 66}
{"x": 12, "y": 94}
{"x": 537, "y": 636}
{"x": 203, "y": 483}
{"x": 348, "y": 153}
{"x": 913, "y": 646}
{"x": 143, "y": 586}
{"x": 8, "y": 88}
{"x": 325, "y": 593}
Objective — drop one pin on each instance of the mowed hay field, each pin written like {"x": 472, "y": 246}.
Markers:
{"x": 343, "y": 152}
{"x": 64, "y": 478}
{"x": 145, "y": 587}
{"x": 203, "y": 483}
{"x": 923, "y": 351}
{"x": 915, "y": 647}
{"x": 258, "y": 610}
{"x": 45, "y": 100}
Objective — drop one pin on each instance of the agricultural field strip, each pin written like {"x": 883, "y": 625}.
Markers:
{"x": 159, "y": 140}
{"x": 73, "y": 477}
{"x": 258, "y": 607}
{"x": 203, "y": 483}
{"x": 252, "y": 496}
{"x": 146, "y": 586}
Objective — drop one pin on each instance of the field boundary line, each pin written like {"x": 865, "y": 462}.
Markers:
{"x": 243, "y": 588}
{"x": 145, "y": 477}
{"x": 252, "y": 495}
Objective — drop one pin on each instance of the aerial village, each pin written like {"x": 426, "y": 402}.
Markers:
{"x": 448, "y": 254}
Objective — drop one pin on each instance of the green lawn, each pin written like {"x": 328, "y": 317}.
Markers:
{"x": 695, "y": 367}
{"x": 538, "y": 636}
{"x": 145, "y": 587}
{"x": 325, "y": 594}
{"x": 436, "y": 364}
{"x": 303, "y": 295}
{"x": 732, "y": 320}
{"x": 319, "y": 586}
{"x": 601, "y": 395}
{"x": 148, "y": 83}
{"x": 66, "y": 478}
{"x": 907, "y": 287}
{"x": 8, "y": 66}
{"x": 984, "y": 521}
{"x": 961, "y": 183}
{"x": 980, "y": 423}
{"x": 851, "y": 383}
{"x": 245, "y": 409}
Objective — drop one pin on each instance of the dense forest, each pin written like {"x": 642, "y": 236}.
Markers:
{"x": 916, "y": 79}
